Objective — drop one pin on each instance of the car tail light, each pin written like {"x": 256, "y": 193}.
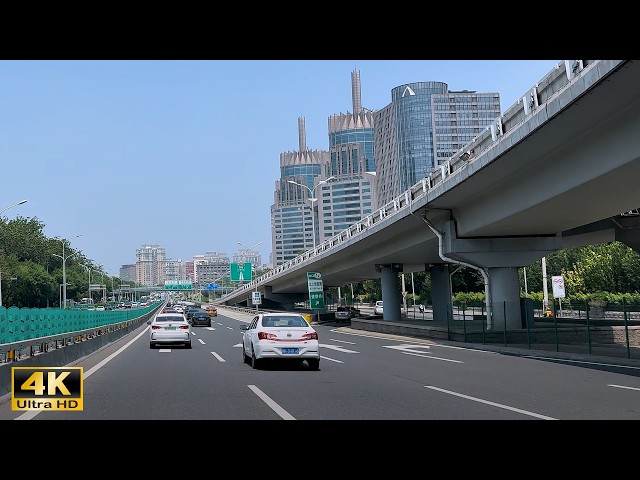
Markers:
{"x": 155, "y": 327}
{"x": 310, "y": 336}
{"x": 184, "y": 327}
{"x": 266, "y": 336}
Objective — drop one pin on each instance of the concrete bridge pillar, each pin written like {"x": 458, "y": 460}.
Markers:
{"x": 441, "y": 291}
{"x": 504, "y": 284}
{"x": 500, "y": 258}
{"x": 391, "y": 295}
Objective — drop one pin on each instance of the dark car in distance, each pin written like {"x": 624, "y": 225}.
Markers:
{"x": 199, "y": 318}
{"x": 345, "y": 313}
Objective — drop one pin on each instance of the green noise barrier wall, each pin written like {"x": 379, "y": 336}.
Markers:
{"x": 19, "y": 324}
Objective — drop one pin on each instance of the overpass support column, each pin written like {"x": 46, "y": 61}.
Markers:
{"x": 440, "y": 291}
{"x": 390, "y": 291}
{"x": 500, "y": 258}
{"x": 505, "y": 288}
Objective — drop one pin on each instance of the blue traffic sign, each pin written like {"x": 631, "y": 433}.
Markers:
{"x": 212, "y": 286}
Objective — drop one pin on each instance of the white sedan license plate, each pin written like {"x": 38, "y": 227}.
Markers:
{"x": 169, "y": 328}
{"x": 289, "y": 351}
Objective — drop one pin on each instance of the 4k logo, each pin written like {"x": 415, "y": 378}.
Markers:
{"x": 46, "y": 388}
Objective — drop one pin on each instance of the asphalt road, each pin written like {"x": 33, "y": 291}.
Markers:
{"x": 362, "y": 376}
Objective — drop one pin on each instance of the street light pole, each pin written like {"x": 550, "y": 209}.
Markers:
{"x": 113, "y": 292}
{"x": 545, "y": 293}
{"x": 312, "y": 199}
{"x": 249, "y": 248}
{"x": 0, "y": 285}
{"x": 90, "y": 296}
{"x": 11, "y": 206}
{"x": 64, "y": 270}
{"x": 1, "y": 212}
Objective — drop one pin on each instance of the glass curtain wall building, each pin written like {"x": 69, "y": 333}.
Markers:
{"x": 292, "y": 220}
{"x": 422, "y": 127}
{"x": 348, "y": 197}
{"x": 373, "y": 156}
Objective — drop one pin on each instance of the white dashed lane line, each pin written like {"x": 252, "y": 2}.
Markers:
{"x": 218, "y": 357}
{"x": 493, "y": 404}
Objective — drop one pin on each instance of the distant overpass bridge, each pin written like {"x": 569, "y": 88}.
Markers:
{"x": 558, "y": 169}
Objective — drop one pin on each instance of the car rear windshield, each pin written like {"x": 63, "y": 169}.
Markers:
{"x": 170, "y": 318}
{"x": 284, "y": 322}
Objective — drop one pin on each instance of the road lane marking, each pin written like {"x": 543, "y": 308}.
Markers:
{"x": 331, "y": 359}
{"x": 230, "y": 328}
{"x": 580, "y": 361}
{"x": 408, "y": 347}
{"x": 218, "y": 356}
{"x": 423, "y": 355}
{"x": 273, "y": 405}
{"x": 32, "y": 413}
{"x": 337, "y": 347}
{"x": 342, "y": 341}
{"x": 513, "y": 409}
{"x": 413, "y": 349}
{"x": 201, "y": 341}
{"x": 623, "y": 386}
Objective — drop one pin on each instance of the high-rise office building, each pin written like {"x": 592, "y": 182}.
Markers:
{"x": 189, "y": 270}
{"x": 128, "y": 273}
{"x": 348, "y": 196}
{"x": 211, "y": 267}
{"x": 374, "y": 156}
{"x": 293, "y": 229}
{"x": 197, "y": 260}
{"x": 174, "y": 270}
{"x": 422, "y": 127}
{"x": 244, "y": 255}
{"x": 150, "y": 261}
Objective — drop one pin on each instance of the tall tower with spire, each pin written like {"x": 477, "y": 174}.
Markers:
{"x": 349, "y": 197}
{"x": 292, "y": 211}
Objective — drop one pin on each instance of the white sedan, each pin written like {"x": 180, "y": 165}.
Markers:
{"x": 169, "y": 328}
{"x": 378, "y": 309}
{"x": 280, "y": 336}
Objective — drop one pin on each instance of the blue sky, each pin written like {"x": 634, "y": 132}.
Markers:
{"x": 186, "y": 153}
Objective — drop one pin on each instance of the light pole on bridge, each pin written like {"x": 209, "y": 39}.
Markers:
{"x": 312, "y": 199}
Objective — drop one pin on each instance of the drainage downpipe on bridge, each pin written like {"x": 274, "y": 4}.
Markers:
{"x": 485, "y": 275}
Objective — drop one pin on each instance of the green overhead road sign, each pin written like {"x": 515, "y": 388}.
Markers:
{"x": 177, "y": 285}
{"x": 316, "y": 290}
{"x": 240, "y": 272}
